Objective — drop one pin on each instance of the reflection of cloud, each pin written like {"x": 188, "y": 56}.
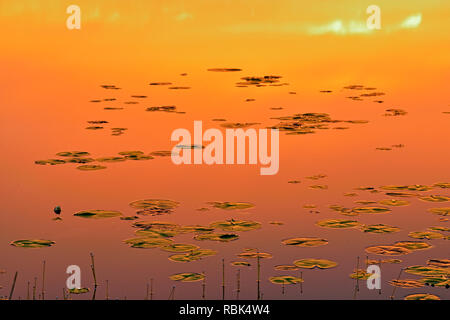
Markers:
{"x": 412, "y": 21}
{"x": 183, "y": 16}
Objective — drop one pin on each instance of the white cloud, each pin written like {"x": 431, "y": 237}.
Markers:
{"x": 412, "y": 21}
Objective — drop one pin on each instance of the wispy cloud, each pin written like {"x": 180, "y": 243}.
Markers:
{"x": 183, "y": 16}
{"x": 412, "y": 21}
{"x": 339, "y": 27}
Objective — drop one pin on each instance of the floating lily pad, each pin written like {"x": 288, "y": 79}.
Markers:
{"x": 434, "y": 198}
{"x": 319, "y": 187}
{"x": 231, "y": 205}
{"x": 284, "y": 267}
{"x": 97, "y": 214}
{"x": 413, "y": 245}
{"x": 253, "y": 254}
{"x": 154, "y": 206}
{"x": 222, "y": 237}
{"x": 196, "y": 229}
{"x": 90, "y": 167}
{"x": 442, "y": 263}
{"x": 428, "y": 271}
{"x": 187, "y": 277}
{"x": 179, "y": 247}
{"x": 388, "y": 250}
{"x": 129, "y": 218}
{"x": 305, "y": 242}
{"x": 428, "y": 235}
{"x": 440, "y": 211}
{"x": 147, "y": 243}
{"x": 156, "y": 233}
{"x": 236, "y": 225}
{"x": 79, "y": 291}
{"x": 371, "y": 210}
{"x": 360, "y": 274}
{"x": 379, "y": 228}
{"x": 193, "y": 255}
{"x": 73, "y": 154}
{"x": 443, "y": 185}
{"x": 394, "y": 202}
{"x": 79, "y": 160}
{"x": 401, "y": 194}
{"x": 50, "y": 162}
{"x": 442, "y": 281}
{"x": 338, "y": 223}
{"x": 445, "y": 229}
{"x": 315, "y": 263}
{"x": 32, "y": 243}
{"x": 159, "y": 225}
{"x": 277, "y": 223}
{"x": 240, "y": 264}
{"x": 285, "y": 280}
{"x": 406, "y": 283}
{"x": 224, "y": 69}
{"x": 162, "y": 153}
{"x": 111, "y": 159}
{"x": 415, "y": 187}
{"x": 422, "y": 296}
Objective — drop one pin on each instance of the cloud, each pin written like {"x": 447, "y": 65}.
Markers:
{"x": 183, "y": 16}
{"x": 412, "y": 21}
{"x": 338, "y": 27}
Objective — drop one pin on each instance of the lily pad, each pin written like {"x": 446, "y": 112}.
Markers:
{"x": 443, "y": 185}
{"x": 379, "y": 228}
{"x": 442, "y": 263}
{"x": 440, "y": 211}
{"x": 196, "y": 229}
{"x": 315, "y": 263}
{"x": 428, "y": 271}
{"x": 193, "y": 255}
{"x": 156, "y": 233}
{"x": 154, "y": 206}
{"x": 111, "y": 159}
{"x": 288, "y": 267}
{"x": 394, "y": 202}
{"x": 360, "y": 274}
{"x": 435, "y": 198}
{"x": 371, "y": 210}
{"x": 50, "y": 162}
{"x": 305, "y": 242}
{"x": 73, "y": 154}
{"x": 79, "y": 291}
{"x": 428, "y": 235}
{"x": 90, "y": 167}
{"x": 236, "y": 225}
{"x": 159, "y": 225}
{"x": 253, "y": 254}
{"x": 179, "y": 247}
{"x": 187, "y": 277}
{"x": 338, "y": 223}
{"x": 231, "y": 205}
{"x": 422, "y": 296}
{"x": 222, "y": 237}
{"x": 240, "y": 264}
{"x": 388, "y": 250}
{"x": 285, "y": 280}
{"x": 413, "y": 245}
{"x": 32, "y": 243}
{"x": 406, "y": 283}
{"x": 97, "y": 214}
{"x": 147, "y": 243}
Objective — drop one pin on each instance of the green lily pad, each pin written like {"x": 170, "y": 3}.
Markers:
{"x": 360, "y": 274}
{"x": 79, "y": 291}
{"x": 236, "y": 225}
{"x": 445, "y": 229}
{"x": 440, "y": 211}
{"x": 179, "y": 247}
{"x": 379, "y": 228}
{"x": 388, "y": 250}
{"x": 287, "y": 267}
{"x": 90, "y": 167}
{"x": 443, "y": 185}
{"x": 428, "y": 271}
{"x": 240, "y": 264}
{"x": 371, "y": 210}
{"x": 154, "y": 206}
{"x": 285, "y": 280}
{"x": 73, "y": 154}
{"x": 161, "y": 153}
{"x": 319, "y": 187}
{"x": 406, "y": 283}
{"x": 305, "y": 242}
{"x": 196, "y": 229}
{"x": 187, "y": 277}
{"x": 32, "y": 243}
{"x": 97, "y": 214}
{"x": 147, "y": 243}
{"x": 79, "y": 160}
{"x": 442, "y": 281}
{"x": 111, "y": 159}
{"x": 415, "y": 187}
{"x": 156, "y": 233}
{"x": 422, "y": 296}
{"x": 401, "y": 194}
{"x": 365, "y": 202}
{"x": 131, "y": 153}
{"x": 129, "y": 218}
{"x": 394, "y": 202}
{"x": 222, "y": 237}
{"x": 231, "y": 205}
{"x": 253, "y": 254}
{"x": 442, "y": 263}
{"x": 50, "y": 162}
{"x": 315, "y": 263}
{"x": 413, "y": 245}
{"x": 434, "y": 198}
{"x": 193, "y": 255}
{"x": 158, "y": 225}
{"x": 338, "y": 223}
{"x": 428, "y": 235}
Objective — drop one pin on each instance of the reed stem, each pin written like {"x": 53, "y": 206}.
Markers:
{"x": 13, "y": 286}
